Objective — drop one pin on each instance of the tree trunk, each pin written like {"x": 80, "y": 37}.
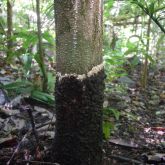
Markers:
{"x": 145, "y": 65}
{"x": 40, "y": 49}
{"x": 79, "y": 83}
{"x": 9, "y": 28}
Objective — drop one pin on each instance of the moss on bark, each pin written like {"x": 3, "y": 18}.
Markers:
{"x": 78, "y": 135}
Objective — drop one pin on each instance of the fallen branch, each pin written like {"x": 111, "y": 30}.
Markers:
{"x": 16, "y": 150}
{"x": 29, "y": 110}
{"x": 38, "y": 162}
{"x": 125, "y": 159}
{"x": 40, "y": 126}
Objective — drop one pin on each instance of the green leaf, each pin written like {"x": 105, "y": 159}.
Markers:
{"x": 107, "y": 127}
{"x": 111, "y": 111}
{"x": 116, "y": 113}
{"x": 110, "y": 61}
{"x": 152, "y": 8}
{"x": 135, "y": 61}
{"x": 29, "y": 38}
{"x": 27, "y": 61}
{"x": 107, "y": 7}
{"x": 43, "y": 97}
{"x": 48, "y": 37}
{"x": 149, "y": 58}
{"x": 131, "y": 50}
{"x": 17, "y": 85}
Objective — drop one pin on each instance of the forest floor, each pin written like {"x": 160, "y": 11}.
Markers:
{"x": 137, "y": 137}
{"x": 139, "y": 134}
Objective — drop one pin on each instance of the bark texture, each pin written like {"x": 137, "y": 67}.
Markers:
{"x": 79, "y": 83}
{"x": 78, "y": 35}
{"x": 78, "y": 136}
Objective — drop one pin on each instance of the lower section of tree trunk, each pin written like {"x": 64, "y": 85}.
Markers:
{"x": 78, "y": 135}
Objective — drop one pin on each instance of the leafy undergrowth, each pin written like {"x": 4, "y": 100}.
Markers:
{"x": 27, "y": 116}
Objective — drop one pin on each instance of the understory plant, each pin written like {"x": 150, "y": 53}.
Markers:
{"x": 26, "y": 88}
{"x": 108, "y": 124}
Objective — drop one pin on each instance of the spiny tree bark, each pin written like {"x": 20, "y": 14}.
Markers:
{"x": 79, "y": 83}
{"x": 40, "y": 49}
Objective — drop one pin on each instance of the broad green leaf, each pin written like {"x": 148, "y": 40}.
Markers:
{"x": 110, "y": 61}
{"x": 30, "y": 40}
{"x": 48, "y": 37}
{"x": 107, "y": 127}
{"x": 43, "y": 97}
{"x": 116, "y": 113}
{"x": 112, "y": 112}
{"x": 17, "y": 84}
{"x": 131, "y": 50}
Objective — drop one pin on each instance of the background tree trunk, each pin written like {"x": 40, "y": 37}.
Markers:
{"x": 40, "y": 49}
{"x": 79, "y": 83}
{"x": 9, "y": 28}
{"x": 145, "y": 65}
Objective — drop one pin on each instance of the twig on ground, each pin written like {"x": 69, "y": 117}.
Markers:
{"x": 117, "y": 157}
{"x": 29, "y": 110}
{"x": 39, "y": 162}
{"x": 39, "y": 126}
{"x": 16, "y": 150}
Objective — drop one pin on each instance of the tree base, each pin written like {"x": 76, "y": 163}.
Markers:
{"x": 79, "y": 103}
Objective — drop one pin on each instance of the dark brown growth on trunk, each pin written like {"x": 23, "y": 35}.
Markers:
{"x": 79, "y": 100}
